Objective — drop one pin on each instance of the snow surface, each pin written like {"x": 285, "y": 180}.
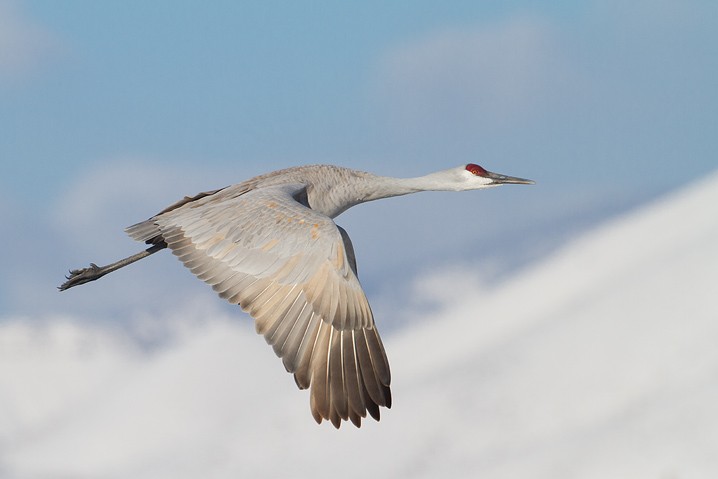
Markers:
{"x": 600, "y": 361}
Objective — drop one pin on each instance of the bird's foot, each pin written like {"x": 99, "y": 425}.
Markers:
{"x": 81, "y": 276}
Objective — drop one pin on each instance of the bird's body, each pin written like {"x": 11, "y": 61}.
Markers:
{"x": 270, "y": 245}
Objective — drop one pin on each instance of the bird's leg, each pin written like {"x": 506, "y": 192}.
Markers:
{"x": 94, "y": 272}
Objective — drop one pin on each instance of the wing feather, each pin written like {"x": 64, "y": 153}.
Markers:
{"x": 277, "y": 305}
{"x": 302, "y": 375}
{"x": 320, "y": 393}
{"x": 336, "y": 376}
{"x": 293, "y": 340}
{"x": 279, "y": 336}
{"x": 293, "y": 270}
{"x": 365, "y": 365}
{"x": 351, "y": 377}
{"x": 268, "y": 315}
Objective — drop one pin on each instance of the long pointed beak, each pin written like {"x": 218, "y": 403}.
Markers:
{"x": 503, "y": 179}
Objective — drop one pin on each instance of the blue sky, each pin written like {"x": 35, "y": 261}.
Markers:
{"x": 110, "y": 111}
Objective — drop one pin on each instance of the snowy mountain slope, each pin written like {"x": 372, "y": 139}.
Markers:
{"x": 598, "y": 362}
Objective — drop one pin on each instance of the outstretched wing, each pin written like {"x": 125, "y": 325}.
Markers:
{"x": 293, "y": 270}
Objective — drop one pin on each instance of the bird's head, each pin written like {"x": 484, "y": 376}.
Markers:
{"x": 474, "y": 177}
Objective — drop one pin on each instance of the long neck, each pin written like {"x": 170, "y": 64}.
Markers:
{"x": 359, "y": 187}
{"x": 386, "y": 187}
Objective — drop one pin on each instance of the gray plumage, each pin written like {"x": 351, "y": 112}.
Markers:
{"x": 270, "y": 245}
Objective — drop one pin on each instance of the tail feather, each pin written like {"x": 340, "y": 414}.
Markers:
{"x": 149, "y": 232}
{"x": 143, "y": 231}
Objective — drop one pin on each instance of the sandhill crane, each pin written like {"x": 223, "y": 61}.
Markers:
{"x": 270, "y": 245}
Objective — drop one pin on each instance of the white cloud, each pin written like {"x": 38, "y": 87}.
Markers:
{"x": 492, "y": 73}
{"x": 23, "y": 43}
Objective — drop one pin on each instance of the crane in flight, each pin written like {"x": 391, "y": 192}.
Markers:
{"x": 270, "y": 245}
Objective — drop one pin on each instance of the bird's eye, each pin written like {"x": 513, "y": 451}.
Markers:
{"x": 476, "y": 170}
